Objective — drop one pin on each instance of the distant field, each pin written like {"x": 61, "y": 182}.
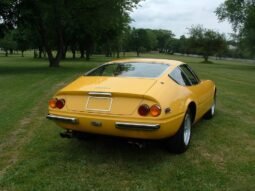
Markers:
{"x": 34, "y": 157}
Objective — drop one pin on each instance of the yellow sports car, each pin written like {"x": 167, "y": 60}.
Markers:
{"x": 153, "y": 99}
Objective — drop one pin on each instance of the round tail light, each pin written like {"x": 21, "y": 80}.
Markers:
{"x": 52, "y": 103}
{"x": 144, "y": 110}
{"x": 60, "y": 103}
{"x": 155, "y": 110}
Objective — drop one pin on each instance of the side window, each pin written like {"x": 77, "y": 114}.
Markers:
{"x": 179, "y": 77}
{"x": 190, "y": 74}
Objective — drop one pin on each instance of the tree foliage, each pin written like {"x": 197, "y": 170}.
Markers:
{"x": 8, "y": 43}
{"x": 142, "y": 40}
{"x": 7, "y": 16}
{"x": 164, "y": 38}
{"x": 22, "y": 38}
{"x": 206, "y": 42}
{"x": 241, "y": 14}
{"x": 60, "y": 24}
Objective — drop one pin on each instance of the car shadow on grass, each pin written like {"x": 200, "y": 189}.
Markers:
{"x": 99, "y": 149}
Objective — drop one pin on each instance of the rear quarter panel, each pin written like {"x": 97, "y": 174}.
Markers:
{"x": 203, "y": 95}
{"x": 170, "y": 95}
{"x": 176, "y": 97}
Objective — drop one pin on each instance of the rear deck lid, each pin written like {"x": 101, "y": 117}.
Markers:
{"x": 119, "y": 85}
{"x": 112, "y": 95}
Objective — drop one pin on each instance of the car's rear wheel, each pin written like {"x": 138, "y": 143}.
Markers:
{"x": 181, "y": 140}
{"x": 210, "y": 114}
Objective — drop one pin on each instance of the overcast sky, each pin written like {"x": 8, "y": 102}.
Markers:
{"x": 178, "y": 15}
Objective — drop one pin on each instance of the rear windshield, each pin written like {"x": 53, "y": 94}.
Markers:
{"x": 147, "y": 70}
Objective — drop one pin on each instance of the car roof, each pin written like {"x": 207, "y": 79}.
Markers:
{"x": 148, "y": 60}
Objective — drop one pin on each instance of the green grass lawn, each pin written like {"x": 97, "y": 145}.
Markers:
{"x": 34, "y": 157}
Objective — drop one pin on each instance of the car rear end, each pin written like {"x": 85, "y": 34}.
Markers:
{"x": 116, "y": 106}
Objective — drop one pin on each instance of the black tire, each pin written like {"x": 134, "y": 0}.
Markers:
{"x": 179, "y": 143}
{"x": 211, "y": 112}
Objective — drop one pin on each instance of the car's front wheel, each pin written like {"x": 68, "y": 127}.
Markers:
{"x": 181, "y": 140}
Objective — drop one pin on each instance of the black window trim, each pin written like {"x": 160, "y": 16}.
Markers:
{"x": 192, "y": 84}
{"x": 169, "y": 75}
{"x": 192, "y": 71}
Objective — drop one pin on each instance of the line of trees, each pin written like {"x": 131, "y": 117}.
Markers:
{"x": 91, "y": 26}
{"x": 58, "y": 25}
{"x": 201, "y": 41}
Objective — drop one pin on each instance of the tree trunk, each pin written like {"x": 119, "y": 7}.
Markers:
{"x": 22, "y": 53}
{"x": 108, "y": 52}
{"x": 35, "y": 54}
{"x": 138, "y": 53}
{"x": 118, "y": 53}
{"x": 74, "y": 53}
{"x": 82, "y": 51}
{"x": 54, "y": 62}
{"x": 51, "y": 59}
{"x": 82, "y": 54}
{"x": 40, "y": 52}
{"x": 206, "y": 58}
{"x": 64, "y": 53}
{"x": 88, "y": 55}
{"x": 6, "y": 53}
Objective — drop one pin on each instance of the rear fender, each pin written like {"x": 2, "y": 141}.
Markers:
{"x": 187, "y": 105}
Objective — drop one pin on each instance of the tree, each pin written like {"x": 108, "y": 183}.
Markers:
{"x": 173, "y": 46}
{"x": 241, "y": 14}
{"x": 164, "y": 38}
{"x": 21, "y": 37}
{"x": 100, "y": 21}
{"x": 48, "y": 20}
{"x": 8, "y": 43}
{"x": 137, "y": 38}
{"x": 6, "y": 16}
{"x": 206, "y": 42}
{"x": 62, "y": 23}
{"x": 185, "y": 47}
{"x": 125, "y": 40}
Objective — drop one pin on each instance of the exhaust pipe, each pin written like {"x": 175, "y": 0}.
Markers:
{"x": 67, "y": 134}
{"x": 138, "y": 144}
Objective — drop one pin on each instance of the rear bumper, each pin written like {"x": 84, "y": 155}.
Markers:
{"x": 70, "y": 120}
{"x": 118, "y": 126}
{"x": 137, "y": 126}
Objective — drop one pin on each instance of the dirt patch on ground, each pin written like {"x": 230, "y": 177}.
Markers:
{"x": 11, "y": 145}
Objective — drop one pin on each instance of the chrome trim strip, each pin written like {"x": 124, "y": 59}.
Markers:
{"x": 137, "y": 126}
{"x": 63, "y": 119}
{"x": 100, "y": 94}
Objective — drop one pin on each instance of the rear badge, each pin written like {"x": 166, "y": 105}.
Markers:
{"x": 96, "y": 123}
{"x": 167, "y": 110}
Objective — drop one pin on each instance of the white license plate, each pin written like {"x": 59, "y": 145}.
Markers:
{"x": 99, "y": 104}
